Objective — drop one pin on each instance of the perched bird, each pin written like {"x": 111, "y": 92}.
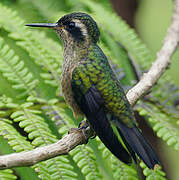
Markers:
{"x": 91, "y": 88}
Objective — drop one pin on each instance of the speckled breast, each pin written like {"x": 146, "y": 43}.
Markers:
{"x": 68, "y": 67}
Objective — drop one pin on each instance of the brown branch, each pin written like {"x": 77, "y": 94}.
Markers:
{"x": 70, "y": 141}
{"x": 161, "y": 63}
{"x": 62, "y": 147}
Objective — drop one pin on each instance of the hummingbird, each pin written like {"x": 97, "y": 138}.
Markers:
{"x": 92, "y": 90}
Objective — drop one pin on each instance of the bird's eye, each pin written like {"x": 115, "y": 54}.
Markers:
{"x": 71, "y": 25}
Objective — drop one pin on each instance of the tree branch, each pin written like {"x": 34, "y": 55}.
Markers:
{"x": 161, "y": 63}
{"x": 62, "y": 147}
{"x": 70, "y": 141}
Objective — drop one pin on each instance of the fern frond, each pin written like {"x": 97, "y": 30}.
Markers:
{"x": 76, "y": 6}
{"x": 165, "y": 101}
{"x": 6, "y": 102}
{"x": 49, "y": 8}
{"x": 105, "y": 152}
{"x": 34, "y": 125}
{"x": 6, "y": 106}
{"x": 119, "y": 169}
{"x": 55, "y": 110}
{"x": 156, "y": 174}
{"x": 83, "y": 156}
{"x": 160, "y": 123}
{"x": 45, "y": 56}
{"x": 161, "y": 113}
{"x": 58, "y": 115}
{"x": 55, "y": 168}
{"x": 86, "y": 161}
{"x": 13, "y": 69}
{"x": 123, "y": 171}
{"x": 40, "y": 134}
{"x": 15, "y": 140}
{"x": 7, "y": 174}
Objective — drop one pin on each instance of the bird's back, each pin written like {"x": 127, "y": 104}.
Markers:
{"x": 97, "y": 69}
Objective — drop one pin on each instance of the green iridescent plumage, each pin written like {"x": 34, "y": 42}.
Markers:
{"x": 96, "y": 70}
{"x": 91, "y": 88}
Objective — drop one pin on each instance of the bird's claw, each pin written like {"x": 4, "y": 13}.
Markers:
{"x": 85, "y": 129}
{"x": 85, "y": 125}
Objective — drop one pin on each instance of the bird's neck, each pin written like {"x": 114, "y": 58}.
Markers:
{"x": 77, "y": 51}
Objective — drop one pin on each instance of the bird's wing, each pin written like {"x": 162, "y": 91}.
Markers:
{"x": 109, "y": 114}
{"x": 91, "y": 103}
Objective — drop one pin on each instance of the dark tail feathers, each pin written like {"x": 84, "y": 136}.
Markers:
{"x": 103, "y": 129}
{"x": 136, "y": 142}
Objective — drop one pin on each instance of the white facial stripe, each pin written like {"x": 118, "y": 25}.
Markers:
{"x": 81, "y": 26}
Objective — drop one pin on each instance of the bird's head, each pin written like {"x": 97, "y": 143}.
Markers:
{"x": 74, "y": 28}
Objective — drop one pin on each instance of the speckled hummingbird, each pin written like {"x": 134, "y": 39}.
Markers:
{"x": 92, "y": 89}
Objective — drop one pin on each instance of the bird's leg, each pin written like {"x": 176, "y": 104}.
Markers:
{"x": 86, "y": 130}
{"x": 85, "y": 124}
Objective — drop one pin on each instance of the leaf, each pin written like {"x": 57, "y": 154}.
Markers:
{"x": 13, "y": 69}
{"x": 7, "y": 174}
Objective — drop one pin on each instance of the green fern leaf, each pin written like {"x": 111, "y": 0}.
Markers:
{"x": 35, "y": 126}
{"x": 48, "y": 8}
{"x": 13, "y": 69}
{"x": 83, "y": 156}
{"x": 15, "y": 140}
{"x": 123, "y": 171}
{"x": 40, "y": 134}
{"x": 160, "y": 123}
{"x": 119, "y": 169}
{"x": 45, "y": 56}
{"x": 156, "y": 174}
{"x": 7, "y": 174}
{"x": 6, "y": 106}
{"x": 86, "y": 161}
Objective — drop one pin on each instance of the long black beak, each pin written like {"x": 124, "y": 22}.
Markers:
{"x": 47, "y": 25}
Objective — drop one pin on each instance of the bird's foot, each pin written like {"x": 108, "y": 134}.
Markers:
{"x": 85, "y": 129}
{"x": 85, "y": 125}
